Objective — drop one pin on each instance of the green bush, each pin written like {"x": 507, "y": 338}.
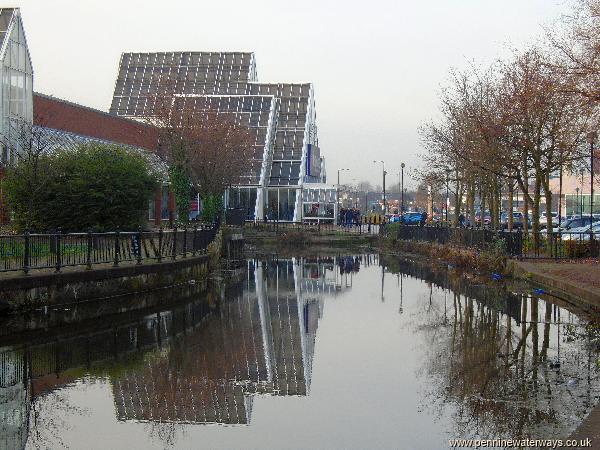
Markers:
{"x": 94, "y": 186}
{"x": 212, "y": 207}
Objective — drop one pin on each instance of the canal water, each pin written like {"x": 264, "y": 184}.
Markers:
{"x": 348, "y": 352}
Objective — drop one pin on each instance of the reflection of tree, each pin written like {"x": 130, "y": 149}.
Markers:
{"x": 502, "y": 376}
{"x": 48, "y": 419}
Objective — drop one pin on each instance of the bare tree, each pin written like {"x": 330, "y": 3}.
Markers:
{"x": 206, "y": 149}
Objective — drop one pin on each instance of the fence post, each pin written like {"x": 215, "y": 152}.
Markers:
{"x": 58, "y": 252}
{"x": 160, "y": 243}
{"x": 194, "y": 240}
{"x": 88, "y": 258}
{"x": 139, "y": 245}
{"x": 184, "y": 241}
{"x": 174, "y": 253}
{"x": 117, "y": 250}
{"x": 26, "y": 252}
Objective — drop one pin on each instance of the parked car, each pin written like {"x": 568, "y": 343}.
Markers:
{"x": 518, "y": 220}
{"x": 575, "y": 223}
{"x": 414, "y": 218}
{"x": 543, "y": 220}
{"x": 583, "y": 233}
{"x": 487, "y": 218}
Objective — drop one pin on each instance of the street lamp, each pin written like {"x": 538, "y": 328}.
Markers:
{"x": 561, "y": 148}
{"x": 338, "y": 187}
{"x": 402, "y": 193}
{"x": 577, "y": 201}
{"x": 592, "y": 139}
{"x": 447, "y": 194}
{"x": 581, "y": 197}
{"x": 384, "y": 173}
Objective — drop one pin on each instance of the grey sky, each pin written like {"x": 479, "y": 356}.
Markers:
{"x": 377, "y": 65}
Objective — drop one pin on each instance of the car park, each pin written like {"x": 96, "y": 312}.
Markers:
{"x": 577, "y": 223}
{"x": 518, "y": 220}
{"x": 544, "y": 220}
{"x": 582, "y": 233}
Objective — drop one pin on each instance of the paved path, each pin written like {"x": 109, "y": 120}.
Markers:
{"x": 578, "y": 279}
{"x": 589, "y": 428}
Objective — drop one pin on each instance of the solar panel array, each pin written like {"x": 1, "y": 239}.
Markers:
{"x": 230, "y": 78}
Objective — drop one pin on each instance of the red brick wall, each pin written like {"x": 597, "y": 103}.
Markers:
{"x": 62, "y": 115}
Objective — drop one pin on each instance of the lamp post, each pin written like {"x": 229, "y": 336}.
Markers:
{"x": 560, "y": 185}
{"x": 402, "y": 193}
{"x": 592, "y": 139}
{"x": 581, "y": 197}
{"x": 448, "y": 194}
{"x": 338, "y": 189}
{"x": 576, "y": 201}
{"x": 384, "y": 173}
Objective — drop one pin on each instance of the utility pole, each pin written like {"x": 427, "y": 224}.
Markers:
{"x": 337, "y": 200}
{"x": 592, "y": 137}
{"x": 402, "y": 193}
{"x": 448, "y": 194}
{"x": 384, "y": 173}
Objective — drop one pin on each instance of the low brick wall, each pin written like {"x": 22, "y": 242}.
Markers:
{"x": 25, "y": 293}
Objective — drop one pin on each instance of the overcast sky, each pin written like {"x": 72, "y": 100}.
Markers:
{"x": 377, "y": 65}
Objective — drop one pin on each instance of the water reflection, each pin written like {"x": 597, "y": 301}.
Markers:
{"x": 259, "y": 342}
{"x": 485, "y": 360}
{"x": 508, "y": 364}
{"x": 200, "y": 362}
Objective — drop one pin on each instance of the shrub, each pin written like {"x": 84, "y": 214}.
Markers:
{"x": 95, "y": 186}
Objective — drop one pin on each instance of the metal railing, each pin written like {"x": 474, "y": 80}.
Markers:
{"x": 516, "y": 243}
{"x": 29, "y": 251}
{"x": 316, "y": 227}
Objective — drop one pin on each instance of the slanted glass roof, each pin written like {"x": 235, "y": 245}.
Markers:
{"x": 5, "y": 18}
{"x": 290, "y": 138}
{"x": 252, "y": 111}
{"x": 145, "y": 76}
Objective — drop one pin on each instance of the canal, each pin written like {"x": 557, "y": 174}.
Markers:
{"x": 355, "y": 351}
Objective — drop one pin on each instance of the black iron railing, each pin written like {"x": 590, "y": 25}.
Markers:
{"x": 29, "y": 251}
{"x": 317, "y": 227}
{"x": 516, "y": 243}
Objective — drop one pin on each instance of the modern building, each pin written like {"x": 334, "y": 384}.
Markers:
{"x": 286, "y": 161}
{"x": 16, "y": 106}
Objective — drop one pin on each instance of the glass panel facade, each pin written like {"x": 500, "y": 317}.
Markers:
{"x": 17, "y": 81}
{"x": 580, "y": 204}
{"x": 281, "y": 116}
{"x": 280, "y": 204}
{"x": 252, "y": 111}
{"x": 243, "y": 198}
{"x": 318, "y": 203}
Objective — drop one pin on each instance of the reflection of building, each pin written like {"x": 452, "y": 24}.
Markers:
{"x": 14, "y": 401}
{"x": 261, "y": 342}
{"x": 286, "y": 158}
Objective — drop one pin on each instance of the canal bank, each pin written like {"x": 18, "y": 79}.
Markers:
{"x": 79, "y": 284}
{"x": 576, "y": 282}
{"x": 261, "y": 240}
{"x": 573, "y": 281}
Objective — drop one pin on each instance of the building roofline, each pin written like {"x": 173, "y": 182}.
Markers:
{"x": 245, "y": 52}
{"x": 87, "y": 108}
